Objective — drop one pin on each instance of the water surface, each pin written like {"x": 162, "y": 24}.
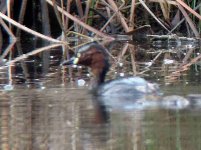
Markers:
{"x": 45, "y": 108}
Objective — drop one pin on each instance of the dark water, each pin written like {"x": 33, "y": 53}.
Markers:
{"x": 51, "y": 110}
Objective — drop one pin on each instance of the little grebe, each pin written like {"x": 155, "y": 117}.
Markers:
{"x": 130, "y": 89}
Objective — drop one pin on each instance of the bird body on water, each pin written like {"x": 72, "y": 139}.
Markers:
{"x": 122, "y": 92}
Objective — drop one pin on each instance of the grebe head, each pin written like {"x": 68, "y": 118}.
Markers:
{"x": 94, "y": 56}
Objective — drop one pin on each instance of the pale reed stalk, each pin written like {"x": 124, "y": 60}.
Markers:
{"x": 28, "y": 30}
{"x": 24, "y": 56}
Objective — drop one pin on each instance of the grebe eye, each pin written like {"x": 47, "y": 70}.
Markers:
{"x": 78, "y": 55}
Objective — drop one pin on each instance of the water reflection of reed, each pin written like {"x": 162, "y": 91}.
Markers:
{"x": 56, "y": 119}
{"x": 48, "y": 120}
{"x": 5, "y": 120}
{"x": 60, "y": 118}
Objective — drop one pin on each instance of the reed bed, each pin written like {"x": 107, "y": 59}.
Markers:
{"x": 92, "y": 20}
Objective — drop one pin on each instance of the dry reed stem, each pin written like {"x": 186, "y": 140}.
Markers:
{"x": 88, "y": 3}
{"x": 29, "y": 30}
{"x": 187, "y": 56}
{"x": 21, "y": 15}
{"x": 3, "y": 6}
{"x": 132, "y": 14}
{"x": 81, "y": 35}
{"x": 164, "y": 1}
{"x": 108, "y": 21}
{"x": 90, "y": 39}
{"x": 123, "y": 51}
{"x": 183, "y": 68}
{"x": 198, "y": 6}
{"x": 165, "y": 9}
{"x": 7, "y": 29}
{"x": 63, "y": 17}
{"x": 111, "y": 17}
{"x": 79, "y": 8}
{"x": 7, "y": 50}
{"x": 58, "y": 15}
{"x": 116, "y": 9}
{"x": 68, "y": 10}
{"x": 45, "y": 19}
{"x": 76, "y": 20}
{"x": 152, "y": 14}
{"x": 181, "y": 4}
{"x": 147, "y": 68}
{"x": 120, "y": 55}
{"x": 133, "y": 62}
{"x": 10, "y": 79}
{"x": 24, "y": 56}
{"x": 23, "y": 64}
{"x": 8, "y": 11}
{"x": 188, "y": 19}
{"x": 189, "y": 9}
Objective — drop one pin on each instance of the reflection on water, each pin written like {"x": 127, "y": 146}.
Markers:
{"x": 50, "y": 111}
{"x": 63, "y": 118}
